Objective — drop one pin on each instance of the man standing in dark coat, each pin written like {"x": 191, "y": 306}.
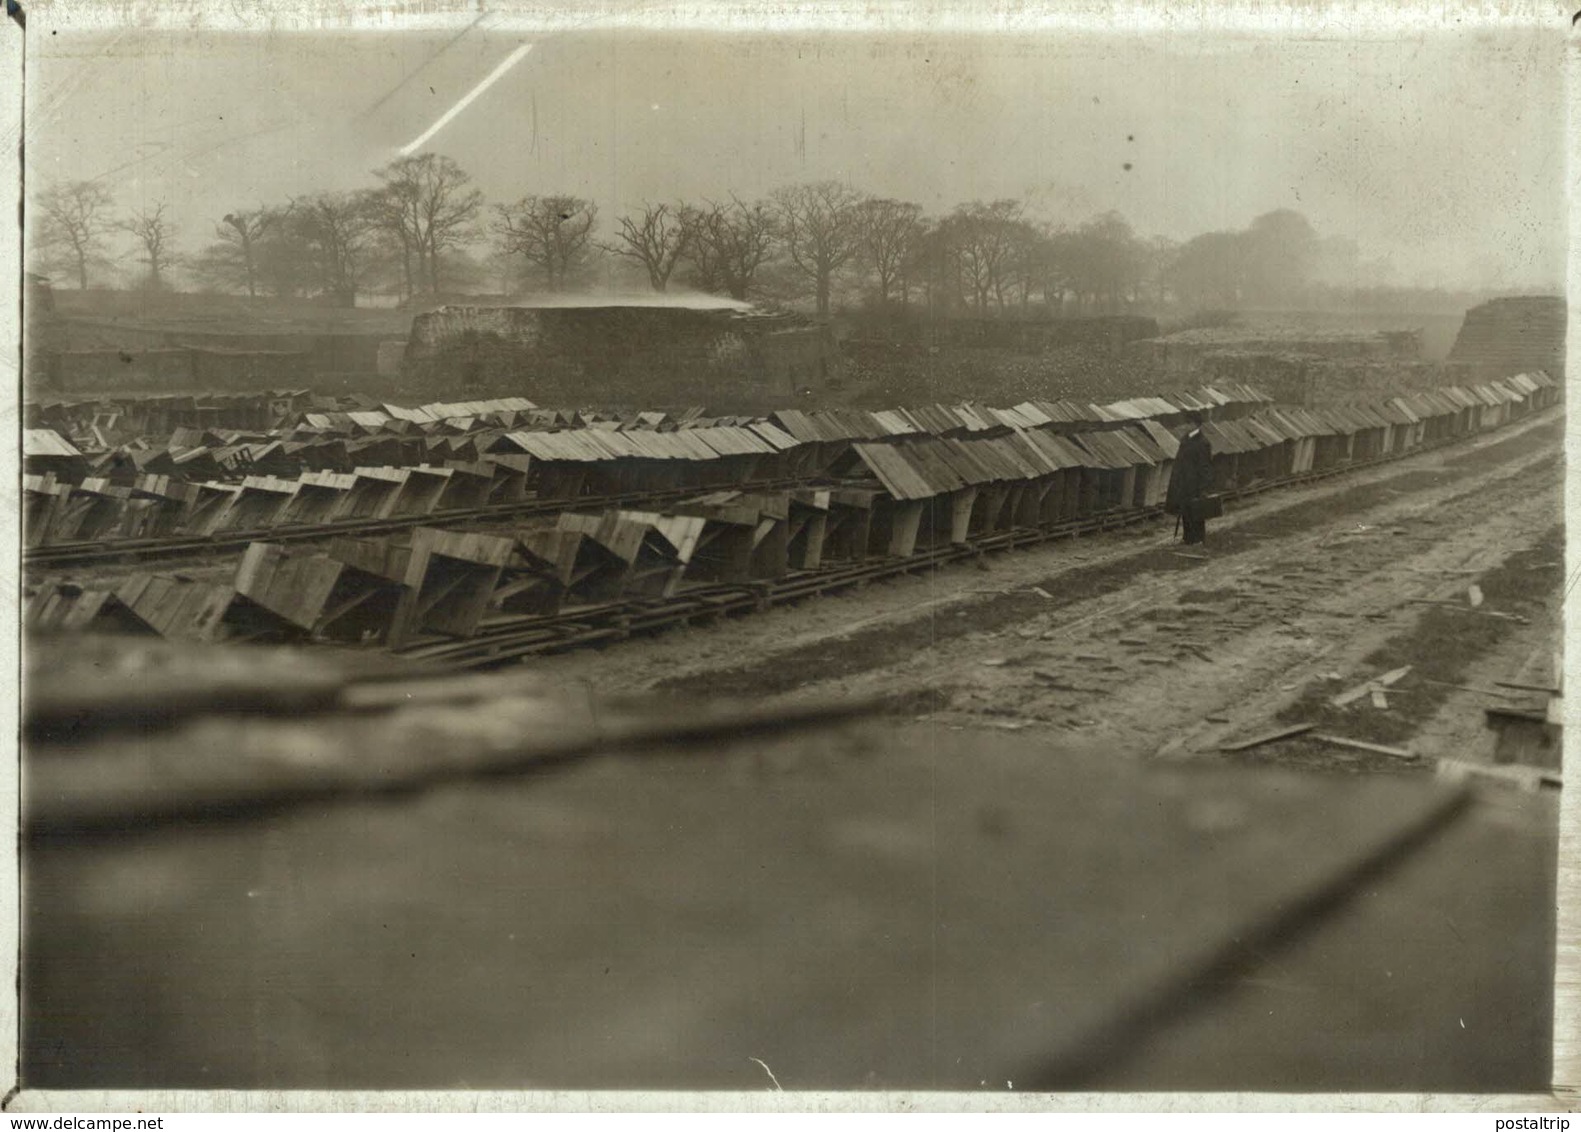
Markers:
{"x": 1191, "y": 481}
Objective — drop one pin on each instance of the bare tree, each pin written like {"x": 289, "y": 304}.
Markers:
{"x": 704, "y": 251}
{"x": 233, "y": 262}
{"x": 727, "y": 243}
{"x": 935, "y": 266}
{"x": 1209, "y": 271}
{"x": 156, "y": 234}
{"x": 241, "y": 230}
{"x": 962, "y": 276}
{"x": 551, "y": 233}
{"x": 1157, "y": 254}
{"x": 984, "y": 238}
{"x": 1046, "y": 264}
{"x": 396, "y": 210}
{"x": 284, "y": 258}
{"x": 337, "y": 229}
{"x": 76, "y": 218}
{"x": 819, "y": 228}
{"x": 1281, "y": 249}
{"x": 1024, "y": 266}
{"x": 1104, "y": 261}
{"x": 428, "y": 206}
{"x": 888, "y": 232}
{"x": 657, "y": 239}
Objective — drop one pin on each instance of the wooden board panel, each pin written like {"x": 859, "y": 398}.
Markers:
{"x": 555, "y": 551}
{"x": 258, "y": 564}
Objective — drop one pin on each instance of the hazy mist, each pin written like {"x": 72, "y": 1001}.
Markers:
{"x": 1441, "y": 156}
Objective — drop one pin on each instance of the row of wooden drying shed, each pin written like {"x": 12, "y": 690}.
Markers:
{"x": 1286, "y": 440}
{"x": 100, "y": 418}
{"x": 157, "y": 414}
{"x": 389, "y": 589}
{"x": 341, "y": 439}
{"x": 957, "y": 487}
{"x": 903, "y": 488}
{"x": 139, "y": 490}
{"x": 962, "y": 449}
{"x": 886, "y": 498}
{"x": 158, "y": 506}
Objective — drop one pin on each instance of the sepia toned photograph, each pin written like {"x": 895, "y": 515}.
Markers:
{"x": 853, "y": 550}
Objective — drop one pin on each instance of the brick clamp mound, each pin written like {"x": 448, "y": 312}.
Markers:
{"x": 1507, "y": 335}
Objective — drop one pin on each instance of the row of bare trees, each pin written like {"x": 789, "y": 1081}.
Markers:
{"x": 78, "y": 218}
{"x": 416, "y": 230}
{"x": 827, "y": 236}
{"x": 337, "y": 245}
{"x": 982, "y": 257}
{"x": 331, "y": 244}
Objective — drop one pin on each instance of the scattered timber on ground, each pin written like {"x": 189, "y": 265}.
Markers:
{"x": 1351, "y": 695}
{"x": 1362, "y": 745}
{"x": 1270, "y": 737}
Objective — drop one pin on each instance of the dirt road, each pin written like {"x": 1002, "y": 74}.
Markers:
{"x": 1134, "y": 644}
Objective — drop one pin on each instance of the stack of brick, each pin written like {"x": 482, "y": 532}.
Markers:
{"x": 1510, "y": 336}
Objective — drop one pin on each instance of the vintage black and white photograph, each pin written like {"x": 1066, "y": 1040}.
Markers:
{"x": 848, "y": 548}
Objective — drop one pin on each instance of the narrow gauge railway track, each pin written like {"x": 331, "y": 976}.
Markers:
{"x": 110, "y": 551}
{"x": 505, "y": 641}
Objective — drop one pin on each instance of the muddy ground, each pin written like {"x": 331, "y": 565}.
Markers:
{"x": 1136, "y": 645}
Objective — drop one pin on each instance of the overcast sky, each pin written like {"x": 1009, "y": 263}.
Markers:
{"x": 1443, "y": 153}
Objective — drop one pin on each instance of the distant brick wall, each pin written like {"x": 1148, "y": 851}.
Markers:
{"x": 649, "y": 356}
